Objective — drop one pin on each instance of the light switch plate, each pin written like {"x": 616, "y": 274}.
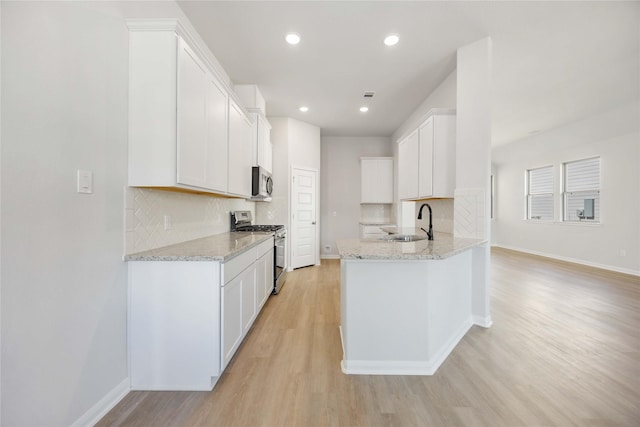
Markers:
{"x": 85, "y": 182}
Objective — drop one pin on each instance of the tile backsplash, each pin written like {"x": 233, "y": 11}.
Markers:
{"x": 376, "y": 213}
{"x": 442, "y": 215}
{"x": 190, "y": 216}
{"x": 470, "y": 213}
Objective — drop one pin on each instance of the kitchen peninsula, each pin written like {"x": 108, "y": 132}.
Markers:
{"x": 405, "y": 305}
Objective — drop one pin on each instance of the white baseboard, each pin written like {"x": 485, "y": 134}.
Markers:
{"x": 484, "y": 322}
{"x": 329, "y": 256}
{"x": 405, "y": 367}
{"x": 107, "y": 403}
{"x": 572, "y": 260}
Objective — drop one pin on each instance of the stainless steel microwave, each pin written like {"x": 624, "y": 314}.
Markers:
{"x": 261, "y": 184}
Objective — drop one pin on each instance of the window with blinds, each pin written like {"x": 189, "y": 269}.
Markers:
{"x": 540, "y": 193}
{"x": 581, "y": 193}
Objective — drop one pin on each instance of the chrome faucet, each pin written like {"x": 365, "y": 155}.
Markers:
{"x": 430, "y": 232}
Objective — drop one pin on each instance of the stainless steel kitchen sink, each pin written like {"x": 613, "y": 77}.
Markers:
{"x": 404, "y": 237}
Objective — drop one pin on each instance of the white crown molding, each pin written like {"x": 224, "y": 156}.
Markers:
{"x": 421, "y": 120}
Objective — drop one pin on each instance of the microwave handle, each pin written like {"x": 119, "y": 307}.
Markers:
{"x": 269, "y": 185}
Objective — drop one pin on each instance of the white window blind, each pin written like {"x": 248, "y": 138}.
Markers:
{"x": 582, "y": 190}
{"x": 540, "y": 193}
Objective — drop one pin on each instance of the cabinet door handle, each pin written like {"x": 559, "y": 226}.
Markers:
{"x": 313, "y": 223}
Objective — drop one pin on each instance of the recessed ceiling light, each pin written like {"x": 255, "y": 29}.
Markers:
{"x": 293, "y": 38}
{"x": 391, "y": 39}
{"x": 303, "y": 109}
{"x": 364, "y": 109}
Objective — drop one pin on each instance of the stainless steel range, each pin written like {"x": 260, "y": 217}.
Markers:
{"x": 241, "y": 222}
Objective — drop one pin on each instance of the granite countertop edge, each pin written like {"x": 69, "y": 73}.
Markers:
{"x": 218, "y": 247}
{"x": 383, "y": 223}
{"x": 444, "y": 246}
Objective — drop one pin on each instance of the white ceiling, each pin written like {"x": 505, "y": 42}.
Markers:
{"x": 553, "y": 62}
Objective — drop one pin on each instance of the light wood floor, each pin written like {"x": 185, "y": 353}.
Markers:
{"x": 564, "y": 350}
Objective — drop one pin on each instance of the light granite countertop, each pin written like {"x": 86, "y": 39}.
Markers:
{"x": 380, "y": 223}
{"x": 443, "y": 245}
{"x": 219, "y": 247}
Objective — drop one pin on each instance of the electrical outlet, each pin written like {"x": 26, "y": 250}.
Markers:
{"x": 167, "y": 222}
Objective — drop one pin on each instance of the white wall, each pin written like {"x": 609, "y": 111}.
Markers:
{"x": 473, "y": 141}
{"x": 64, "y": 285}
{"x": 444, "y": 96}
{"x": 471, "y": 211}
{"x": 64, "y": 107}
{"x": 340, "y": 184}
{"x": 304, "y": 145}
{"x": 615, "y": 137}
{"x": 295, "y": 144}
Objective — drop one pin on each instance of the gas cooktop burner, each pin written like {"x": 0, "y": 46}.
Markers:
{"x": 259, "y": 227}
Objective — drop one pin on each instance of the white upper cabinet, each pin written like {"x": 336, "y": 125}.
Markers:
{"x": 192, "y": 118}
{"x": 262, "y": 148}
{"x": 240, "y": 158}
{"x": 408, "y": 149}
{"x": 425, "y": 162}
{"x": 217, "y": 137}
{"x": 265, "y": 150}
{"x": 427, "y": 158}
{"x": 181, "y": 131}
{"x": 376, "y": 179}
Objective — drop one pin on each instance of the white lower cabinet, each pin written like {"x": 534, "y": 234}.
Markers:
{"x": 241, "y": 295}
{"x": 173, "y": 325}
{"x": 186, "y": 319}
{"x": 264, "y": 278}
{"x": 231, "y": 330}
{"x": 248, "y": 298}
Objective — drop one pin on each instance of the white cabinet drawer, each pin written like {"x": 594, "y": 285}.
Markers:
{"x": 265, "y": 247}
{"x": 235, "y": 266}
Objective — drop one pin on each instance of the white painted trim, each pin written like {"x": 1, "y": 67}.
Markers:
{"x": 484, "y": 322}
{"x": 104, "y": 405}
{"x": 425, "y": 116}
{"x": 405, "y": 367}
{"x": 330, "y": 256}
{"x": 571, "y": 260}
{"x": 174, "y": 387}
{"x": 161, "y": 24}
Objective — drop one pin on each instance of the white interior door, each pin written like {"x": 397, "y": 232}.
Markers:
{"x": 303, "y": 220}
